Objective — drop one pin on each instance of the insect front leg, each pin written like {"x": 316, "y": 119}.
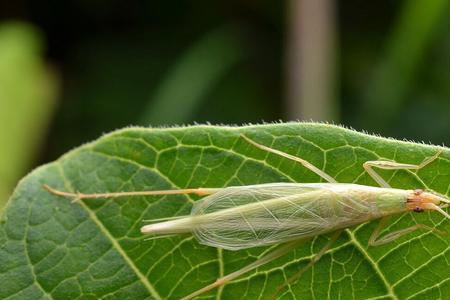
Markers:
{"x": 391, "y": 165}
{"x": 303, "y": 162}
{"x": 374, "y": 239}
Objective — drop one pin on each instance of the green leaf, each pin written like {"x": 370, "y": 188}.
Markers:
{"x": 52, "y": 248}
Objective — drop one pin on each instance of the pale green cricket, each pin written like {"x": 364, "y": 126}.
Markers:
{"x": 241, "y": 217}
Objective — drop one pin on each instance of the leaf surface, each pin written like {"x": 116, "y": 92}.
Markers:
{"x": 51, "y": 248}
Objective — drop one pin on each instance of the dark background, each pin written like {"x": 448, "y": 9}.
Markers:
{"x": 111, "y": 64}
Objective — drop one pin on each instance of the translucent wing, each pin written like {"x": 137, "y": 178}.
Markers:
{"x": 250, "y": 216}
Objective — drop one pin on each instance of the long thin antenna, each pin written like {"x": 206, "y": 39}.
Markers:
{"x": 437, "y": 208}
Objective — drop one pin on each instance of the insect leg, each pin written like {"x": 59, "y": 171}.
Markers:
{"x": 391, "y": 165}
{"x": 313, "y": 261}
{"x": 375, "y": 241}
{"x": 263, "y": 260}
{"x": 303, "y": 162}
{"x": 79, "y": 196}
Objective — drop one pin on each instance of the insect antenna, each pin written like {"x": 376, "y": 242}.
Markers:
{"x": 443, "y": 198}
{"x": 437, "y": 208}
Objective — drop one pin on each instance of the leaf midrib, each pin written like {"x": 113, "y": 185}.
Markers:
{"x": 374, "y": 264}
{"x": 151, "y": 289}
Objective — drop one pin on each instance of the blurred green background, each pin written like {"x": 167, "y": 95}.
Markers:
{"x": 72, "y": 70}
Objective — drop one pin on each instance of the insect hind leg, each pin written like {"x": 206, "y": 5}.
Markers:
{"x": 80, "y": 196}
{"x": 259, "y": 262}
{"x": 303, "y": 162}
{"x": 313, "y": 261}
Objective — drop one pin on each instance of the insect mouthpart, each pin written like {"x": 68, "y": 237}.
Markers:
{"x": 420, "y": 200}
{"x": 444, "y": 201}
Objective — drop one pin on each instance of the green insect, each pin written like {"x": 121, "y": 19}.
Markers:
{"x": 241, "y": 217}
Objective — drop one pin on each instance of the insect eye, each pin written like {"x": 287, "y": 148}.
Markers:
{"x": 418, "y": 209}
{"x": 418, "y": 191}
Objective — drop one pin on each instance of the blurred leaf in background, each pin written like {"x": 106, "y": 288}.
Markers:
{"x": 193, "y": 75}
{"x": 416, "y": 27}
{"x": 27, "y": 93}
{"x": 396, "y": 75}
{"x": 165, "y": 69}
